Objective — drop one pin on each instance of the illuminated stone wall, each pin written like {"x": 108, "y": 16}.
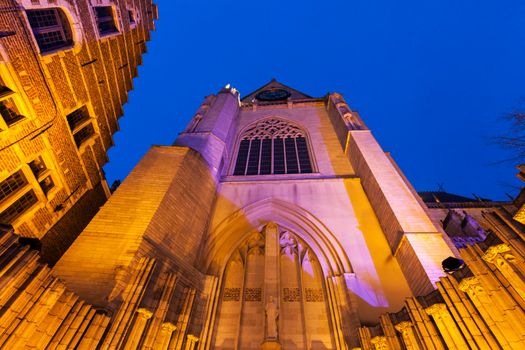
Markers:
{"x": 187, "y": 255}
{"x": 94, "y": 71}
{"x": 479, "y": 306}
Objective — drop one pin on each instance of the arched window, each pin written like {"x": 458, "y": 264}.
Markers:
{"x": 273, "y": 146}
{"x": 51, "y": 28}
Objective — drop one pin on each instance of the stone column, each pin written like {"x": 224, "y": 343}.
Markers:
{"x": 271, "y": 287}
{"x": 496, "y": 318}
{"x": 163, "y": 339}
{"x": 447, "y": 327}
{"x": 502, "y": 257}
{"x": 191, "y": 341}
{"x": 143, "y": 315}
{"x": 409, "y": 338}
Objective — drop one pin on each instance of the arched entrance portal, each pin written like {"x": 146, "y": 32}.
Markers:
{"x": 273, "y": 291}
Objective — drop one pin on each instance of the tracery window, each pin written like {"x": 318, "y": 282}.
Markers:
{"x": 51, "y": 28}
{"x": 273, "y": 146}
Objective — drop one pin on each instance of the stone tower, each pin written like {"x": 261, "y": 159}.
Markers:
{"x": 65, "y": 70}
{"x": 274, "y": 221}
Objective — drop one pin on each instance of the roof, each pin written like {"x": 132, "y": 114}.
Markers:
{"x": 443, "y": 197}
{"x": 274, "y": 84}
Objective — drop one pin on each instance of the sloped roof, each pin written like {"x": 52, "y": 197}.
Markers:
{"x": 443, "y": 197}
{"x": 274, "y": 84}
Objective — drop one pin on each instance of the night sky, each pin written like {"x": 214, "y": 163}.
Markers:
{"x": 431, "y": 79}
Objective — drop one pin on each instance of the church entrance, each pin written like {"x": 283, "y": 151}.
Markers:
{"x": 273, "y": 292}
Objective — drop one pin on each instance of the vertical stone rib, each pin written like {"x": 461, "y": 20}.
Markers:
{"x": 89, "y": 339}
{"x": 74, "y": 326}
{"x": 55, "y": 340}
{"x": 423, "y": 326}
{"x": 184, "y": 317}
{"x": 211, "y": 311}
{"x": 335, "y": 314}
{"x": 164, "y": 337}
{"x": 160, "y": 311}
{"x": 12, "y": 282}
{"x": 390, "y": 332}
{"x": 57, "y": 316}
{"x": 135, "y": 335}
{"x": 131, "y": 297}
{"x": 83, "y": 326}
{"x": 36, "y": 315}
{"x": 23, "y": 303}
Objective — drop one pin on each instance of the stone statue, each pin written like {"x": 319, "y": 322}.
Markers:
{"x": 272, "y": 316}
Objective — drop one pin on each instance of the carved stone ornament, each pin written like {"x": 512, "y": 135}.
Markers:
{"x": 256, "y": 244}
{"x": 144, "y": 313}
{"x": 493, "y": 252}
{"x": 470, "y": 284}
{"x": 403, "y": 327}
{"x": 168, "y": 327}
{"x": 436, "y": 310}
{"x": 288, "y": 243}
{"x": 272, "y": 317}
{"x": 379, "y": 342}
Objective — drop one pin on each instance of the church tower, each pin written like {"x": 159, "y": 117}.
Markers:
{"x": 274, "y": 221}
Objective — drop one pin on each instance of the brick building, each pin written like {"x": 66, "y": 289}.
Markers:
{"x": 65, "y": 69}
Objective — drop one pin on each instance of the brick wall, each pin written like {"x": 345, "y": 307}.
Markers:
{"x": 96, "y": 72}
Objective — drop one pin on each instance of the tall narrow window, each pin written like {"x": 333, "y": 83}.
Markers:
{"x": 105, "y": 20}
{"x": 51, "y": 28}
{"x": 273, "y": 146}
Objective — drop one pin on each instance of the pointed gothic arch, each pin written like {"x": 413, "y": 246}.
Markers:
{"x": 273, "y": 145}
{"x": 226, "y": 236}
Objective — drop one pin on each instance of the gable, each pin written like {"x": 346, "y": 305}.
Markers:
{"x": 275, "y": 85}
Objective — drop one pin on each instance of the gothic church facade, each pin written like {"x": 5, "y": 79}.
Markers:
{"x": 276, "y": 220}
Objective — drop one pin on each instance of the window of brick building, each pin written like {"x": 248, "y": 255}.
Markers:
{"x": 105, "y": 20}
{"x": 51, "y": 28}
{"x": 17, "y": 195}
{"x": 18, "y": 192}
{"x": 273, "y": 146}
{"x": 25, "y": 202}
{"x": 9, "y": 112}
{"x": 12, "y": 184}
{"x": 131, "y": 16}
{"x": 80, "y": 125}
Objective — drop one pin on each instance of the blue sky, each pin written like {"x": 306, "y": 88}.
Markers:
{"x": 432, "y": 79}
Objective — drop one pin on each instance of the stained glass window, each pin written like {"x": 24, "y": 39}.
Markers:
{"x": 273, "y": 146}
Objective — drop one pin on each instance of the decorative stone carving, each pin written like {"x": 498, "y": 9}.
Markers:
{"x": 168, "y": 327}
{"x": 272, "y": 316}
{"x": 288, "y": 243}
{"x": 493, "y": 251}
{"x": 256, "y": 244}
{"x": 231, "y": 294}
{"x": 272, "y": 128}
{"x": 470, "y": 285}
{"x": 253, "y": 294}
{"x": 436, "y": 310}
{"x": 291, "y": 294}
{"x": 379, "y": 342}
{"x": 314, "y": 295}
{"x": 144, "y": 313}
{"x": 403, "y": 327}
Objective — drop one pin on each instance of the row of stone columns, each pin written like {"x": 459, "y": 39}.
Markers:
{"x": 480, "y": 311}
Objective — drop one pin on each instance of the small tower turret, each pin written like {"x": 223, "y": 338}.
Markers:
{"x": 209, "y": 131}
